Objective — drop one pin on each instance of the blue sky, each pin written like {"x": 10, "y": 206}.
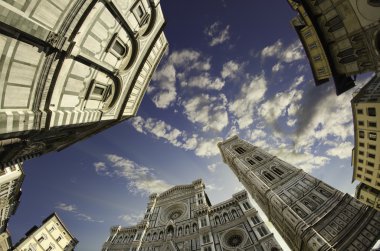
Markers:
{"x": 230, "y": 69}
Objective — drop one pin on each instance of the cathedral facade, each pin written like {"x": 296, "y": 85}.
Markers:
{"x": 72, "y": 68}
{"x": 182, "y": 218}
{"x": 308, "y": 213}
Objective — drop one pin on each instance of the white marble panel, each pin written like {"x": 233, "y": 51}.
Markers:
{"x": 16, "y": 96}
{"x": 47, "y": 14}
{"x": 27, "y": 53}
{"x": 92, "y": 45}
{"x": 69, "y": 100}
{"x": 74, "y": 85}
{"x": 21, "y": 74}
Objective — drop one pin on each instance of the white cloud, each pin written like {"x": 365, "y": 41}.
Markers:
{"x": 66, "y": 207}
{"x": 217, "y": 34}
{"x": 272, "y": 50}
{"x": 73, "y": 209}
{"x": 291, "y": 122}
{"x": 165, "y": 92}
{"x": 272, "y": 109}
{"x": 161, "y": 130}
{"x": 209, "y": 111}
{"x": 140, "y": 179}
{"x": 208, "y": 147}
{"x": 212, "y": 168}
{"x": 329, "y": 115}
{"x": 293, "y": 52}
{"x": 277, "y": 67}
{"x": 190, "y": 143}
{"x": 288, "y": 54}
{"x": 257, "y": 134}
{"x": 213, "y": 187}
{"x": 176, "y": 67}
{"x": 204, "y": 81}
{"x": 158, "y": 128}
{"x": 131, "y": 218}
{"x": 230, "y": 69}
{"x": 250, "y": 95}
{"x": 342, "y": 150}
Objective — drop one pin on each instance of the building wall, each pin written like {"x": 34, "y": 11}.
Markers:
{"x": 368, "y": 195}
{"x": 5, "y": 241}
{"x": 69, "y": 66}
{"x": 349, "y": 35}
{"x": 365, "y": 155}
{"x": 308, "y": 213}
{"x": 183, "y": 219}
{"x": 51, "y": 235}
{"x": 11, "y": 179}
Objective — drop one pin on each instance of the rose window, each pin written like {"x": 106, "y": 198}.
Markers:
{"x": 234, "y": 240}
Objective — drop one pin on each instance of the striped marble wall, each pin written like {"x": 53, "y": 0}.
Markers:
{"x": 144, "y": 77}
{"x": 20, "y": 66}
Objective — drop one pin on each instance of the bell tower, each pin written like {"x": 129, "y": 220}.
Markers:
{"x": 308, "y": 213}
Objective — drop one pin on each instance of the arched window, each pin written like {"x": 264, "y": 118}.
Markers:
{"x": 268, "y": 176}
{"x": 154, "y": 236}
{"x": 187, "y": 229}
{"x": 161, "y": 235}
{"x": 226, "y": 218}
{"x": 179, "y": 231}
{"x": 240, "y": 150}
{"x": 194, "y": 227}
{"x": 125, "y": 239}
{"x": 217, "y": 220}
{"x": 170, "y": 230}
{"x": 147, "y": 237}
{"x": 277, "y": 170}
{"x": 120, "y": 239}
{"x": 131, "y": 239}
{"x": 234, "y": 213}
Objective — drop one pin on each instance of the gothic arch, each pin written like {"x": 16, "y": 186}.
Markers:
{"x": 234, "y": 213}
{"x": 217, "y": 220}
{"x": 226, "y": 217}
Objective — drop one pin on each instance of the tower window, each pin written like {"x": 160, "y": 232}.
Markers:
{"x": 240, "y": 150}
{"x": 277, "y": 171}
{"x": 268, "y": 176}
{"x": 258, "y": 158}
{"x": 246, "y": 205}
{"x": 250, "y": 161}
{"x": 361, "y": 134}
{"x": 371, "y": 111}
{"x": 372, "y": 124}
{"x": 372, "y": 136}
